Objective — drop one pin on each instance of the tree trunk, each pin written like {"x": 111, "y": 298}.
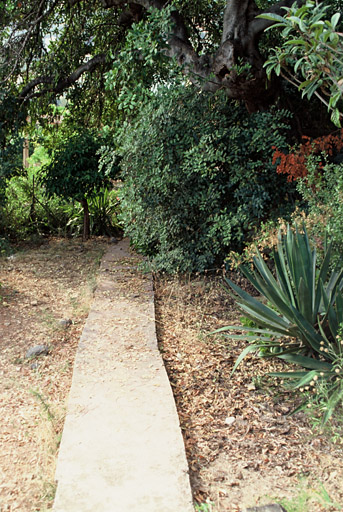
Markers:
{"x": 235, "y": 67}
{"x": 86, "y": 222}
{"x": 32, "y": 214}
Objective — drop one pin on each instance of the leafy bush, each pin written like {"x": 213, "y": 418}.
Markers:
{"x": 323, "y": 191}
{"x": 26, "y": 210}
{"x": 5, "y": 248}
{"x": 266, "y": 237}
{"x": 103, "y": 211}
{"x": 74, "y": 171}
{"x": 302, "y": 322}
{"x": 198, "y": 176}
{"x": 311, "y": 54}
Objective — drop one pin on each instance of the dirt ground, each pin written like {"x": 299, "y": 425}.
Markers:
{"x": 242, "y": 448}
{"x": 40, "y": 287}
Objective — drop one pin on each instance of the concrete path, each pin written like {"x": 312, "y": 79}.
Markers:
{"x": 121, "y": 449}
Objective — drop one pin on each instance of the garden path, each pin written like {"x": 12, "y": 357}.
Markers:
{"x": 121, "y": 447}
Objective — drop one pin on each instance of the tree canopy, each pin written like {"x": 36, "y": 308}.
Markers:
{"x": 49, "y": 47}
{"x": 126, "y": 65}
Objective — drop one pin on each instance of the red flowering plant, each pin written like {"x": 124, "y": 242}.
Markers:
{"x": 294, "y": 164}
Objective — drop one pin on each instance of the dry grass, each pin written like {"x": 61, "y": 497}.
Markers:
{"x": 40, "y": 286}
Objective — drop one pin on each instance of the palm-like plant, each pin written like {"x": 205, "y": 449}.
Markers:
{"x": 302, "y": 319}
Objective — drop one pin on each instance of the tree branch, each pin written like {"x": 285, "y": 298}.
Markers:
{"x": 181, "y": 47}
{"x": 29, "y": 92}
{"x": 223, "y": 69}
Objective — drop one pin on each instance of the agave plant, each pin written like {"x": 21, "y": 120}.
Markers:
{"x": 104, "y": 208}
{"x": 301, "y": 317}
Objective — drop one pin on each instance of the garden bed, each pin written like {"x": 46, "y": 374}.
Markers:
{"x": 242, "y": 445}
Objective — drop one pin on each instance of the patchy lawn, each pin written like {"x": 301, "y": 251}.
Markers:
{"x": 40, "y": 288}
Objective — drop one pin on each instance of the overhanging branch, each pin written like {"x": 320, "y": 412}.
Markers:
{"x": 63, "y": 83}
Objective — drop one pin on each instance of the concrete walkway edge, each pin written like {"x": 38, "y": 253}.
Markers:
{"x": 121, "y": 448}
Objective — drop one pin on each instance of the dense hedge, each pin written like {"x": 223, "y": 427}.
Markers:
{"x": 198, "y": 177}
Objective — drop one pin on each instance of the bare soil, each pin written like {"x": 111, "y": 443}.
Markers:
{"x": 39, "y": 288}
{"x": 242, "y": 447}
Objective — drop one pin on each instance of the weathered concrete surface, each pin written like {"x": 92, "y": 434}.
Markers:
{"x": 121, "y": 449}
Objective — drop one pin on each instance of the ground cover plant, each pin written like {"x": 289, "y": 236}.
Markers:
{"x": 301, "y": 319}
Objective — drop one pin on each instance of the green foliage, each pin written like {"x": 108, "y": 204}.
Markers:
{"x": 11, "y": 162}
{"x": 26, "y": 210}
{"x": 142, "y": 62}
{"x": 323, "y": 192}
{"x": 74, "y": 172}
{"x": 103, "y": 212}
{"x": 104, "y": 209}
{"x": 5, "y": 248}
{"x": 12, "y": 118}
{"x": 11, "y": 139}
{"x": 308, "y": 495}
{"x": 63, "y": 169}
{"x": 197, "y": 176}
{"x": 311, "y": 56}
{"x": 205, "y": 507}
{"x": 303, "y": 323}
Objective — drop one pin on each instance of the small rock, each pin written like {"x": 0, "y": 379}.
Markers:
{"x": 34, "y": 366}
{"x": 65, "y": 323}
{"x": 230, "y": 420}
{"x": 274, "y": 507}
{"x": 220, "y": 476}
{"x": 234, "y": 483}
{"x": 38, "y": 350}
{"x": 113, "y": 240}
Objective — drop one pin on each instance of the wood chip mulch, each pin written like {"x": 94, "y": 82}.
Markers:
{"x": 242, "y": 446}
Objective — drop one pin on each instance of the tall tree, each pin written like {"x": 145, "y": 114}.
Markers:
{"x": 46, "y": 46}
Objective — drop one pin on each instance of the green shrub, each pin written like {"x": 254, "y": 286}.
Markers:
{"x": 266, "y": 237}
{"x": 198, "y": 177}
{"x": 323, "y": 191}
{"x": 103, "y": 211}
{"x": 303, "y": 319}
{"x": 27, "y": 211}
{"x": 74, "y": 172}
{"x": 5, "y": 248}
